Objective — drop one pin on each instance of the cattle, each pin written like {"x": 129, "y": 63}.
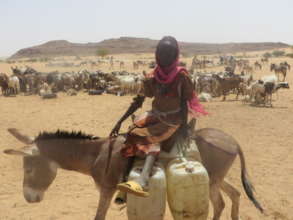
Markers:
{"x": 228, "y": 84}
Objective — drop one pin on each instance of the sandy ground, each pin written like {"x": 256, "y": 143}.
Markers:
{"x": 265, "y": 135}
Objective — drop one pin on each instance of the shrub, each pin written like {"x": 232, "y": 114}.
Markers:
{"x": 267, "y": 55}
{"x": 278, "y": 53}
{"x": 102, "y": 52}
{"x": 289, "y": 55}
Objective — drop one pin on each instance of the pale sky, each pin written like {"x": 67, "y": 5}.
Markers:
{"x": 25, "y": 23}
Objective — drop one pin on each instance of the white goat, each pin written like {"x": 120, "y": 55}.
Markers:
{"x": 204, "y": 97}
{"x": 270, "y": 78}
{"x": 13, "y": 84}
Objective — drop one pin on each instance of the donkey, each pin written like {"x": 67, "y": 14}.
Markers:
{"x": 89, "y": 155}
{"x": 279, "y": 69}
{"x": 257, "y": 65}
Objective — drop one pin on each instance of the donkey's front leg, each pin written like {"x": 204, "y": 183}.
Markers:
{"x": 106, "y": 195}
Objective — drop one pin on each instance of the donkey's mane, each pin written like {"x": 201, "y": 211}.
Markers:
{"x": 65, "y": 135}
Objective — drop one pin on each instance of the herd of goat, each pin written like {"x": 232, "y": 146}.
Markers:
{"x": 29, "y": 81}
{"x": 213, "y": 84}
{"x": 256, "y": 92}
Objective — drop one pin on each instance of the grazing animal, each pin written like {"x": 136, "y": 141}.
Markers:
{"x": 247, "y": 69}
{"x": 13, "y": 85}
{"x": 265, "y": 60}
{"x": 4, "y": 83}
{"x": 89, "y": 155}
{"x": 46, "y": 92}
{"x": 257, "y": 66}
{"x": 270, "y": 78}
{"x": 71, "y": 92}
{"x": 111, "y": 63}
{"x": 228, "y": 84}
{"x": 286, "y": 65}
{"x": 262, "y": 91}
{"x": 279, "y": 69}
{"x": 9, "y": 85}
{"x": 271, "y": 88}
{"x": 204, "y": 97}
{"x": 122, "y": 66}
{"x": 245, "y": 90}
{"x": 135, "y": 65}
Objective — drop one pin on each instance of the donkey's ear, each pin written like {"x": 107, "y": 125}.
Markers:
{"x": 21, "y": 137}
{"x": 192, "y": 124}
{"x": 25, "y": 151}
{"x": 15, "y": 152}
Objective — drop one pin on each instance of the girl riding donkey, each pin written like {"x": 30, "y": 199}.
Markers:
{"x": 174, "y": 96}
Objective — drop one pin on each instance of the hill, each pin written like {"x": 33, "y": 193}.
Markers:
{"x": 135, "y": 45}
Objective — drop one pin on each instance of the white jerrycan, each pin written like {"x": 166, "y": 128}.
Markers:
{"x": 187, "y": 189}
{"x": 154, "y": 206}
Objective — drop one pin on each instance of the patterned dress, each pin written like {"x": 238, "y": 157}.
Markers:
{"x": 165, "y": 117}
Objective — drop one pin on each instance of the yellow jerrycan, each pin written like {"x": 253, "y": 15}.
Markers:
{"x": 191, "y": 153}
{"x": 187, "y": 189}
{"x": 154, "y": 206}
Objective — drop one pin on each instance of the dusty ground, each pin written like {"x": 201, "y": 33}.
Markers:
{"x": 265, "y": 135}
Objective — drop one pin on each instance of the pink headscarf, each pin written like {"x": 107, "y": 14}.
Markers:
{"x": 168, "y": 74}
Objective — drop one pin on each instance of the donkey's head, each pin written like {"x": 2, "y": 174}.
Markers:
{"x": 39, "y": 171}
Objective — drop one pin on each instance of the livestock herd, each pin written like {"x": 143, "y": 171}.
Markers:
{"x": 256, "y": 92}
{"x": 28, "y": 81}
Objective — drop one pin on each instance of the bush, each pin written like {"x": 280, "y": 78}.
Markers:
{"x": 44, "y": 59}
{"x": 31, "y": 60}
{"x": 289, "y": 55}
{"x": 278, "y": 53}
{"x": 267, "y": 55}
{"x": 102, "y": 52}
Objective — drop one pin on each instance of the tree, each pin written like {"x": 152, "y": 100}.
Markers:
{"x": 267, "y": 55}
{"x": 102, "y": 52}
{"x": 278, "y": 53}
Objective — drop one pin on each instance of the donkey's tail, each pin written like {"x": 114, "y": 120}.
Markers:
{"x": 248, "y": 187}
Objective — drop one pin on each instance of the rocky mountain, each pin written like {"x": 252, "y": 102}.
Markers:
{"x": 135, "y": 45}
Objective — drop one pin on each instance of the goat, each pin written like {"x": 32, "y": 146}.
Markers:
{"x": 262, "y": 91}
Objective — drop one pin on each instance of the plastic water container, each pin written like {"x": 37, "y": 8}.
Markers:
{"x": 154, "y": 206}
{"x": 191, "y": 153}
{"x": 188, "y": 190}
